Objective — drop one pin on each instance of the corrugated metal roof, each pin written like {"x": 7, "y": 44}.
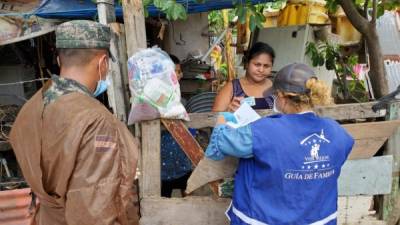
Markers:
{"x": 14, "y": 207}
{"x": 393, "y": 74}
{"x": 389, "y": 33}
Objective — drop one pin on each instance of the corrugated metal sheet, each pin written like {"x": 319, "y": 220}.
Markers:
{"x": 14, "y": 207}
{"x": 393, "y": 74}
{"x": 389, "y": 33}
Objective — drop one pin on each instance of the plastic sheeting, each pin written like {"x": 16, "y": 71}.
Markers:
{"x": 86, "y": 9}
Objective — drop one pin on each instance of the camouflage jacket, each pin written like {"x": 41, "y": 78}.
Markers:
{"x": 61, "y": 86}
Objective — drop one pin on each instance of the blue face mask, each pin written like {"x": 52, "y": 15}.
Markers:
{"x": 102, "y": 85}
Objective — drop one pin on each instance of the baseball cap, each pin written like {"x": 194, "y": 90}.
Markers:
{"x": 293, "y": 78}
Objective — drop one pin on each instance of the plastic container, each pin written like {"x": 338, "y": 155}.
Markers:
{"x": 301, "y": 12}
{"x": 271, "y": 18}
{"x": 342, "y": 27}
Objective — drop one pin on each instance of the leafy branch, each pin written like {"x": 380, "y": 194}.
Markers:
{"x": 331, "y": 56}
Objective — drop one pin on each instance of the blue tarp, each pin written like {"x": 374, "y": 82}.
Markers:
{"x": 86, "y": 9}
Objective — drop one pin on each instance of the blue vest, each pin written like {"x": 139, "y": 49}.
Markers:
{"x": 292, "y": 178}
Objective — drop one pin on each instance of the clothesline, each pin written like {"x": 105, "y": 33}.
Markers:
{"x": 23, "y": 82}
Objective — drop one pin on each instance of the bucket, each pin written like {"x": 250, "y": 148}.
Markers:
{"x": 301, "y": 12}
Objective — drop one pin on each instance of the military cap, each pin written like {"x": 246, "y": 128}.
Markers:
{"x": 83, "y": 34}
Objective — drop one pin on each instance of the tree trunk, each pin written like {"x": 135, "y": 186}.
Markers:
{"x": 377, "y": 66}
{"x": 368, "y": 30}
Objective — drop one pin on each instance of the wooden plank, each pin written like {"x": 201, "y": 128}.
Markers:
{"x": 370, "y": 137}
{"x": 350, "y": 111}
{"x": 366, "y": 148}
{"x": 366, "y": 176}
{"x": 134, "y": 25}
{"x": 209, "y": 170}
{"x": 383, "y": 129}
{"x": 206, "y": 210}
{"x": 390, "y": 205}
{"x": 188, "y": 144}
{"x": 150, "y": 177}
{"x": 115, "y": 92}
{"x": 337, "y": 112}
{"x": 184, "y": 211}
{"x": 119, "y": 29}
{"x": 135, "y": 32}
{"x": 185, "y": 140}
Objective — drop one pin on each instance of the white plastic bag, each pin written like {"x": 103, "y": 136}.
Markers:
{"x": 154, "y": 87}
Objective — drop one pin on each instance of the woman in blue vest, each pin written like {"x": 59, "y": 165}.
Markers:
{"x": 289, "y": 162}
{"x": 256, "y": 82}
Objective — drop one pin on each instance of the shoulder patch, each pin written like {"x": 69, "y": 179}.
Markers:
{"x": 104, "y": 143}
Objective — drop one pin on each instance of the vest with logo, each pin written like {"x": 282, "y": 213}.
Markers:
{"x": 292, "y": 178}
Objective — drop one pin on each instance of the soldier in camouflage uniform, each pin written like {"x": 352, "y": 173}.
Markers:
{"x": 76, "y": 156}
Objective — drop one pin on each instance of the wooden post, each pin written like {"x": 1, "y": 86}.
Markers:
{"x": 119, "y": 29}
{"x": 390, "y": 204}
{"x": 135, "y": 31}
{"x": 150, "y": 177}
{"x": 116, "y": 96}
{"x": 135, "y": 28}
{"x": 229, "y": 57}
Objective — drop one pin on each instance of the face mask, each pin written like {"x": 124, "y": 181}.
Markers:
{"x": 102, "y": 85}
{"x": 275, "y": 108}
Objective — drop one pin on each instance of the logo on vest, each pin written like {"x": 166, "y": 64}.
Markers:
{"x": 315, "y": 165}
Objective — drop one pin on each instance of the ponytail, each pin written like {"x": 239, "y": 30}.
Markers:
{"x": 320, "y": 93}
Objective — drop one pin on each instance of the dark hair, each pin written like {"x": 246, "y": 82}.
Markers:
{"x": 78, "y": 57}
{"x": 258, "y": 49}
{"x": 174, "y": 59}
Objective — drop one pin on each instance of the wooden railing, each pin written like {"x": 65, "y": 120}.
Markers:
{"x": 363, "y": 174}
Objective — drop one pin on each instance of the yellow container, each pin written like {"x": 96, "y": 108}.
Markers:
{"x": 271, "y": 18}
{"x": 301, "y": 12}
{"x": 343, "y": 27}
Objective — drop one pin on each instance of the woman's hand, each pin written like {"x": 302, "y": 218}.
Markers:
{"x": 234, "y": 104}
{"x": 221, "y": 120}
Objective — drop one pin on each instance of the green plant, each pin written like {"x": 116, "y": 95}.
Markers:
{"x": 174, "y": 10}
{"x": 363, "y": 16}
{"x": 332, "y": 5}
{"x": 331, "y": 56}
{"x": 216, "y": 20}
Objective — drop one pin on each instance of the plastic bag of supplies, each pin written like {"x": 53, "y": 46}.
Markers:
{"x": 154, "y": 87}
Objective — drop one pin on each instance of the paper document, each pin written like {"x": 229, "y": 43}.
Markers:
{"x": 244, "y": 115}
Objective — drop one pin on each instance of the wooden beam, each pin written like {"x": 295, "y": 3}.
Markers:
{"x": 337, "y": 112}
{"x": 135, "y": 31}
{"x": 209, "y": 170}
{"x": 184, "y": 211}
{"x": 389, "y": 204}
{"x": 150, "y": 176}
{"x": 366, "y": 148}
{"x": 134, "y": 25}
{"x": 188, "y": 144}
{"x": 366, "y": 176}
{"x": 206, "y": 210}
{"x": 383, "y": 129}
{"x": 119, "y": 29}
{"x": 116, "y": 96}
